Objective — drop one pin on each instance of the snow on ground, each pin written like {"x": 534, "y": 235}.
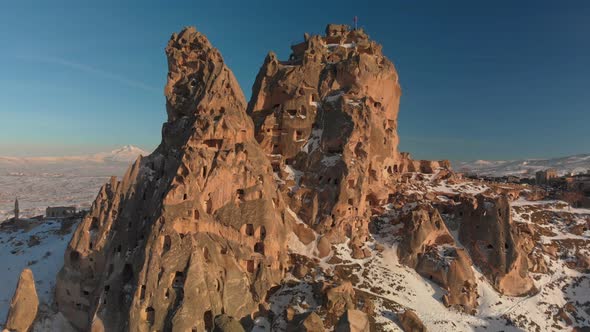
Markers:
{"x": 19, "y": 249}
{"x": 394, "y": 288}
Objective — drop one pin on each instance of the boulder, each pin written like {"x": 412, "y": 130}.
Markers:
{"x": 311, "y": 323}
{"x": 225, "y": 323}
{"x": 305, "y": 234}
{"x": 324, "y": 247}
{"x": 353, "y": 321}
{"x": 410, "y": 322}
{"x": 24, "y": 304}
{"x": 340, "y": 298}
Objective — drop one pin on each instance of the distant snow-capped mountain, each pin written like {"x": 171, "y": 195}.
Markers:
{"x": 527, "y": 167}
{"x": 126, "y": 154}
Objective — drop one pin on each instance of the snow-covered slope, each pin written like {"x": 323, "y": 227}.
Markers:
{"x": 39, "y": 182}
{"x": 39, "y": 246}
{"x": 525, "y": 168}
{"x": 561, "y": 302}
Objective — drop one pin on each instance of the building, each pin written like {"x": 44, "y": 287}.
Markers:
{"x": 579, "y": 182}
{"x": 546, "y": 176}
{"x": 60, "y": 211}
{"x": 16, "y": 210}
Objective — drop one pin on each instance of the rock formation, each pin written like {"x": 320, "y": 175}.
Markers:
{"x": 24, "y": 304}
{"x": 197, "y": 235}
{"x": 353, "y": 321}
{"x": 495, "y": 244}
{"x": 194, "y": 230}
{"x": 429, "y": 248}
{"x": 327, "y": 119}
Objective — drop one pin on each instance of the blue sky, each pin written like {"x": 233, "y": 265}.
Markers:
{"x": 481, "y": 80}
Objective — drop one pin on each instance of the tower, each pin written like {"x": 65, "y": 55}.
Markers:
{"x": 16, "y": 210}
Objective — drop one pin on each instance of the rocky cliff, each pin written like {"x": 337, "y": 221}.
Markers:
{"x": 192, "y": 231}
{"x": 327, "y": 118}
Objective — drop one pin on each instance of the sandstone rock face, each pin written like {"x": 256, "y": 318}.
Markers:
{"x": 495, "y": 243}
{"x": 196, "y": 229}
{"x": 327, "y": 119}
{"x": 24, "y": 304}
{"x": 429, "y": 248}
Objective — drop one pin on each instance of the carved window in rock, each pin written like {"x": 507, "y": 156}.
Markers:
{"x": 142, "y": 292}
{"x": 276, "y": 167}
{"x": 240, "y": 193}
{"x": 276, "y": 149}
{"x": 127, "y": 274}
{"x": 150, "y": 315}
{"x": 74, "y": 257}
{"x": 214, "y": 143}
{"x": 249, "y": 230}
{"x": 303, "y": 111}
{"x": 298, "y": 135}
{"x": 196, "y": 214}
{"x": 261, "y": 233}
{"x": 208, "y": 319}
{"x": 94, "y": 224}
{"x": 178, "y": 280}
{"x": 395, "y": 168}
{"x": 206, "y": 255}
{"x": 250, "y": 266}
{"x": 259, "y": 248}
{"x": 204, "y": 171}
{"x": 167, "y": 244}
{"x": 209, "y": 204}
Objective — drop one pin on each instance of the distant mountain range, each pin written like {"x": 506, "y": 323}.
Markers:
{"x": 525, "y": 168}
{"x": 126, "y": 154}
{"x": 99, "y": 164}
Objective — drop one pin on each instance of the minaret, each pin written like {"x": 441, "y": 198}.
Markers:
{"x": 16, "y": 209}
